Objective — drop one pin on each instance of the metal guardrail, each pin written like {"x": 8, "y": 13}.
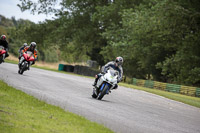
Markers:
{"x": 186, "y": 90}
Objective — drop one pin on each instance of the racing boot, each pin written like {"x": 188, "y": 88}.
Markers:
{"x": 3, "y": 57}
{"x": 19, "y": 65}
{"x": 95, "y": 81}
{"x": 115, "y": 87}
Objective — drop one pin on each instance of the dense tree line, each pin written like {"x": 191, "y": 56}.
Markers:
{"x": 159, "y": 39}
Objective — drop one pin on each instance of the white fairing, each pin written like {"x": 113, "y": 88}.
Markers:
{"x": 29, "y": 52}
{"x": 110, "y": 77}
{"x": 22, "y": 58}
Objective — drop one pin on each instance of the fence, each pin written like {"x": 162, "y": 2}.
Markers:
{"x": 77, "y": 69}
{"x": 186, "y": 90}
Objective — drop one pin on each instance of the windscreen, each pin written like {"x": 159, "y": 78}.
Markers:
{"x": 29, "y": 52}
{"x": 114, "y": 72}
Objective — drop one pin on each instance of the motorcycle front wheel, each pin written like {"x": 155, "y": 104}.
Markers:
{"x": 103, "y": 92}
{"x": 1, "y": 59}
{"x": 23, "y": 68}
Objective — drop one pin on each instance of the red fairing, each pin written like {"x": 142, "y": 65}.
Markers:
{"x": 28, "y": 57}
{"x": 2, "y": 51}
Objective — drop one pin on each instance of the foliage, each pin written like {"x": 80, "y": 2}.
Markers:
{"x": 158, "y": 39}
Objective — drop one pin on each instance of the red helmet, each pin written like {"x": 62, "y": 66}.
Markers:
{"x": 3, "y": 37}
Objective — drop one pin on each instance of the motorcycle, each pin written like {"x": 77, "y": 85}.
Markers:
{"x": 2, "y": 54}
{"x": 24, "y": 62}
{"x": 105, "y": 84}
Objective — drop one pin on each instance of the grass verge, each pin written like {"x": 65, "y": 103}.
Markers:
{"x": 21, "y": 113}
{"x": 194, "y": 101}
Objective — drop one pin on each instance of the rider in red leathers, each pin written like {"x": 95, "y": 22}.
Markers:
{"x": 4, "y": 43}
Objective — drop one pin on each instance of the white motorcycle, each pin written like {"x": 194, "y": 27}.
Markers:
{"x": 105, "y": 84}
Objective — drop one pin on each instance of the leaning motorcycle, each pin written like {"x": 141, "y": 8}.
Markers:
{"x": 105, "y": 84}
{"x": 25, "y": 61}
{"x": 2, "y": 54}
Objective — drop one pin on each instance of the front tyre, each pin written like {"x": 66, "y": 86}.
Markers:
{"x": 103, "y": 92}
{"x": 1, "y": 59}
{"x": 23, "y": 68}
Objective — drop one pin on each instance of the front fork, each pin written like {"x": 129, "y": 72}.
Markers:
{"x": 4, "y": 55}
{"x": 20, "y": 62}
{"x": 101, "y": 87}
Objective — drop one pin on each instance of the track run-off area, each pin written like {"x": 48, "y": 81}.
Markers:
{"x": 125, "y": 110}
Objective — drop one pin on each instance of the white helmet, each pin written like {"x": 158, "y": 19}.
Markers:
{"x": 119, "y": 60}
{"x": 25, "y": 44}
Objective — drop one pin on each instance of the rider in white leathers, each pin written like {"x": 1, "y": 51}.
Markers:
{"x": 116, "y": 65}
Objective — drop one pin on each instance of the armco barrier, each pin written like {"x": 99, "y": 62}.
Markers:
{"x": 140, "y": 82}
{"x": 149, "y": 83}
{"x": 173, "y": 88}
{"x": 186, "y": 90}
{"x": 159, "y": 85}
{"x": 134, "y": 81}
{"x": 197, "y": 92}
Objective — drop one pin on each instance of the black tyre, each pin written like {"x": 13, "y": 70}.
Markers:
{"x": 23, "y": 68}
{"x": 102, "y": 93}
{"x": 20, "y": 71}
{"x": 1, "y": 59}
{"x": 94, "y": 95}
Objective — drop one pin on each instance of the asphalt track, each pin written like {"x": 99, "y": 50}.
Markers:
{"x": 125, "y": 110}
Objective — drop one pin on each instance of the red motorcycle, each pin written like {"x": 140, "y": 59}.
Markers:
{"x": 25, "y": 61}
{"x": 2, "y": 54}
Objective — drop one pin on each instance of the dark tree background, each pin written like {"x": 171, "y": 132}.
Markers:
{"x": 158, "y": 39}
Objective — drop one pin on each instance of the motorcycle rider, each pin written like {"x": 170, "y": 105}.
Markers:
{"x": 116, "y": 65}
{"x": 33, "y": 49}
{"x": 4, "y": 43}
{"x": 21, "y": 50}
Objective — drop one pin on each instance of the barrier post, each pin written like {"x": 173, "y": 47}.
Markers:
{"x": 134, "y": 81}
{"x": 60, "y": 67}
{"x": 197, "y": 92}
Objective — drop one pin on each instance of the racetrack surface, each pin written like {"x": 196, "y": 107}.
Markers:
{"x": 125, "y": 110}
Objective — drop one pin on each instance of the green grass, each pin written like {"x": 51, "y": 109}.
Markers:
{"x": 194, "y": 101}
{"x": 21, "y": 113}
{"x": 11, "y": 61}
